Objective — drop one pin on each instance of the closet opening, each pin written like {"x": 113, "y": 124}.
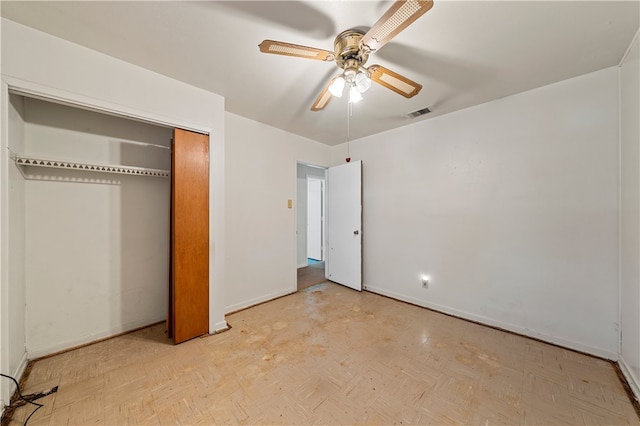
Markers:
{"x": 90, "y": 215}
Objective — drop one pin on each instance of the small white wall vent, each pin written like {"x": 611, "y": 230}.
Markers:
{"x": 419, "y": 112}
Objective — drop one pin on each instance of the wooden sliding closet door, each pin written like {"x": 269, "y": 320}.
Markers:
{"x": 189, "y": 292}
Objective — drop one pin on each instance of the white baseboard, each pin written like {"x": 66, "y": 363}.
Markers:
{"x": 33, "y": 353}
{"x": 21, "y": 367}
{"x": 16, "y": 374}
{"x": 220, "y": 326}
{"x": 602, "y": 353}
{"x": 302, "y": 265}
{"x": 257, "y": 300}
{"x": 631, "y": 379}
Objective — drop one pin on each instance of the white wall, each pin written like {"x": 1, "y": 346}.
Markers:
{"x": 98, "y": 251}
{"x": 510, "y": 207}
{"x": 38, "y": 63}
{"x": 261, "y": 177}
{"x": 630, "y": 216}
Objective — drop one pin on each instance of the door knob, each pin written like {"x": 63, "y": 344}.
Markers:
{"x": 356, "y": 232}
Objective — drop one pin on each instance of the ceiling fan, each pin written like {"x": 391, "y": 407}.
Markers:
{"x": 351, "y": 51}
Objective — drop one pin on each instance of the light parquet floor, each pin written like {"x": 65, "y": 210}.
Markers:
{"x": 329, "y": 355}
{"x": 311, "y": 275}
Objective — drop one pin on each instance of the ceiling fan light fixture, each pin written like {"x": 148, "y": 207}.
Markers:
{"x": 354, "y": 95}
{"x": 362, "y": 81}
{"x": 351, "y": 50}
{"x": 337, "y": 87}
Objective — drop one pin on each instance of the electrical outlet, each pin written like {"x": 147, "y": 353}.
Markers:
{"x": 425, "y": 282}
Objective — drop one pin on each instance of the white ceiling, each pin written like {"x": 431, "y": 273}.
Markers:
{"x": 463, "y": 52}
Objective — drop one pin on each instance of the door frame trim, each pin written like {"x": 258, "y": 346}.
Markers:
{"x": 296, "y": 202}
{"x": 33, "y": 90}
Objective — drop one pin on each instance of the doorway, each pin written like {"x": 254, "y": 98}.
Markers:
{"x": 310, "y": 229}
{"x": 341, "y": 223}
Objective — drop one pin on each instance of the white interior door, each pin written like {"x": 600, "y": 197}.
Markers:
{"x": 343, "y": 263}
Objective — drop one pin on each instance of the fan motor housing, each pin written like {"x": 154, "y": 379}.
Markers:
{"x": 347, "y": 46}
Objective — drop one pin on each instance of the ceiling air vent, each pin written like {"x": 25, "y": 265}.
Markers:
{"x": 419, "y": 112}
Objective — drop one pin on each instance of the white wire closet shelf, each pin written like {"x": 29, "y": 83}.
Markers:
{"x": 25, "y": 160}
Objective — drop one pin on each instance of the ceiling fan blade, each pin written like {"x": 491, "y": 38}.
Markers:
{"x": 394, "y": 81}
{"x": 323, "y": 98}
{"x": 399, "y": 16}
{"x": 288, "y": 49}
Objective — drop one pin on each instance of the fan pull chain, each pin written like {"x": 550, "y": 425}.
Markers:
{"x": 349, "y": 112}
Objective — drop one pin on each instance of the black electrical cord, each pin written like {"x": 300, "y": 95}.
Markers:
{"x": 29, "y": 401}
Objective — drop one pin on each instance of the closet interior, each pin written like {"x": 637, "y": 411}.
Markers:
{"x": 89, "y": 240}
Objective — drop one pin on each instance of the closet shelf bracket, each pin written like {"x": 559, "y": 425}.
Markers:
{"x": 23, "y": 160}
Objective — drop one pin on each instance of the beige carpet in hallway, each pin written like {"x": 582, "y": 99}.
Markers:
{"x": 329, "y": 355}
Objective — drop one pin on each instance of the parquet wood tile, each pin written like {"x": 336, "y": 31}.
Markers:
{"x": 329, "y": 355}
{"x": 311, "y": 275}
